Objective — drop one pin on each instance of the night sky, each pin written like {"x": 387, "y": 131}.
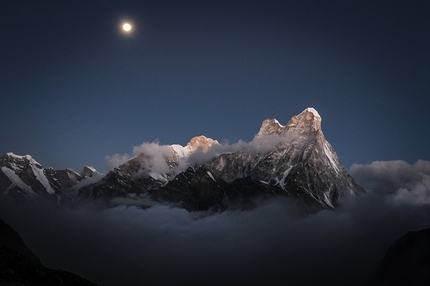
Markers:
{"x": 76, "y": 89}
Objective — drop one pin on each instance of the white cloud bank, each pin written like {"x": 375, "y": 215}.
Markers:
{"x": 404, "y": 182}
{"x": 418, "y": 194}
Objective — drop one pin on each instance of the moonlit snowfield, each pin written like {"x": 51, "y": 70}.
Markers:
{"x": 269, "y": 245}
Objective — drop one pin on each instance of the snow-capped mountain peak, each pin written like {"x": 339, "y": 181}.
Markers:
{"x": 306, "y": 123}
{"x": 300, "y": 161}
{"x": 309, "y": 121}
{"x": 194, "y": 144}
{"x": 313, "y": 110}
{"x": 18, "y": 158}
{"x": 270, "y": 127}
{"x": 201, "y": 142}
{"x": 22, "y": 170}
{"x": 23, "y": 177}
{"x": 88, "y": 171}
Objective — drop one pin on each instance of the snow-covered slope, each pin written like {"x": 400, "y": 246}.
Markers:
{"x": 23, "y": 177}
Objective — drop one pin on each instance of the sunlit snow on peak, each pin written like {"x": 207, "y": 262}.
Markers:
{"x": 313, "y": 111}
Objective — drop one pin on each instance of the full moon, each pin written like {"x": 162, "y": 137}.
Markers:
{"x": 126, "y": 27}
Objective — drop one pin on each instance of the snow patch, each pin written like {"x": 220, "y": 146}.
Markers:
{"x": 210, "y": 175}
{"x": 221, "y": 164}
{"x": 10, "y": 154}
{"x": 281, "y": 182}
{"x": 16, "y": 181}
{"x": 276, "y": 121}
{"x": 92, "y": 169}
{"x": 313, "y": 111}
{"x": 15, "y": 166}
{"x": 330, "y": 157}
{"x": 40, "y": 176}
{"x": 158, "y": 177}
{"x": 88, "y": 181}
{"x": 327, "y": 200}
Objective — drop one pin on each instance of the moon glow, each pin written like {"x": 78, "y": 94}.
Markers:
{"x": 126, "y": 27}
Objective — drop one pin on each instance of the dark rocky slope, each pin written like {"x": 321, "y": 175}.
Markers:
{"x": 19, "y": 266}
{"x": 406, "y": 262}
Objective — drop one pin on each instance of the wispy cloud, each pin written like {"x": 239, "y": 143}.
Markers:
{"x": 116, "y": 160}
{"x": 157, "y": 154}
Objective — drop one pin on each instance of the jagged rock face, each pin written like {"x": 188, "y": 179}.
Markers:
{"x": 194, "y": 189}
{"x": 119, "y": 183}
{"x": 87, "y": 172}
{"x": 134, "y": 176}
{"x": 198, "y": 190}
{"x": 302, "y": 162}
{"x": 62, "y": 179}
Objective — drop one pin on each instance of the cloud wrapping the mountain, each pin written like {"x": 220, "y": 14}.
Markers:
{"x": 261, "y": 145}
{"x": 158, "y": 153}
{"x": 116, "y": 160}
{"x": 268, "y": 245}
{"x": 156, "y": 161}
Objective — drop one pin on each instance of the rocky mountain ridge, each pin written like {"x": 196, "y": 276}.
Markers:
{"x": 294, "y": 160}
{"x": 23, "y": 178}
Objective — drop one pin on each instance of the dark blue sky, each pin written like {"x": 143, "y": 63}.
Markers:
{"x": 74, "y": 88}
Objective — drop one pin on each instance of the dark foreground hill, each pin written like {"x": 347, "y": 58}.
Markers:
{"x": 407, "y": 262}
{"x": 19, "y": 266}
